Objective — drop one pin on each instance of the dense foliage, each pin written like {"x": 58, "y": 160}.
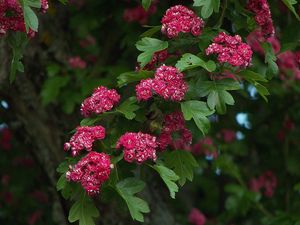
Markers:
{"x": 180, "y": 112}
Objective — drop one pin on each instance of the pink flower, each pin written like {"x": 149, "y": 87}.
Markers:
{"x": 87, "y": 41}
{"x": 34, "y": 217}
{"x": 174, "y": 123}
{"x": 157, "y": 58}
{"x": 84, "y": 139}
{"x": 256, "y": 38}
{"x": 138, "y": 147}
{"x": 91, "y": 171}
{"x": 5, "y": 139}
{"x": 230, "y": 49}
{"x": 44, "y": 6}
{"x": 262, "y": 16}
{"x": 168, "y": 83}
{"x": 228, "y": 135}
{"x": 267, "y": 181}
{"x": 138, "y": 14}
{"x": 102, "y": 100}
{"x": 12, "y": 17}
{"x": 288, "y": 63}
{"x": 205, "y": 147}
{"x": 144, "y": 89}
{"x": 76, "y": 63}
{"x": 197, "y": 217}
{"x": 181, "y": 19}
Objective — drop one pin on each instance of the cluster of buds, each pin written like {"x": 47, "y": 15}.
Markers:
{"x": 174, "y": 123}
{"x": 12, "y": 17}
{"x": 91, "y": 171}
{"x": 138, "y": 147}
{"x": 263, "y": 16}
{"x": 230, "y": 49}
{"x": 102, "y": 100}
{"x": 84, "y": 139}
{"x": 168, "y": 83}
{"x": 179, "y": 19}
{"x": 267, "y": 181}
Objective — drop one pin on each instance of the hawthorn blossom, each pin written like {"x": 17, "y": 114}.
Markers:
{"x": 168, "y": 83}
{"x": 102, "y": 100}
{"x": 5, "y": 139}
{"x": 289, "y": 65}
{"x": 91, "y": 172}
{"x": 205, "y": 147}
{"x": 230, "y": 49}
{"x": 158, "y": 57}
{"x": 76, "y": 63}
{"x": 12, "y": 17}
{"x": 255, "y": 38}
{"x": 138, "y": 147}
{"x": 196, "y": 217}
{"x": 227, "y": 135}
{"x": 174, "y": 123}
{"x": 139, "y": 14}
{"x": 262, "y": 16}
{"x": 266, "y": 182}
{"x": 180, "y": 19}
{"x": 84, "y": 139}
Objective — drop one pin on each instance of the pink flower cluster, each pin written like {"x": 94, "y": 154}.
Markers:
{"x": 91, "y": 171}
{"x": 262, "y": 16}
{"x": 158, "y": 57}
{"x": 196, "y": 217}
{"x": 12, "y": 18}
{"x": 255, "y": 38}
{"x": 287, "y": 126}
{"x": 205, "y": 147}
{"x": 181, "y": 19}
{"x": 5, "y": 139}
{"x": 138, "y": 14}
{"x": 84, "y": 139}
{"x": 138, "y": 147}
{"x": 267, "y": 181}
{"x": 289, "y": 65}
{"x": 168, "y": 83}
{"x": 102, "y": 100}
{"x": 227, "y": 135}
{"x": 76, "y": 63}
{"x": 174, "y": 123}
{"x": 230, "y": 49}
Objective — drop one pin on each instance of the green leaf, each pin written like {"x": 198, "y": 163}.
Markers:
{"x": 61, "y": 183}
{"x": 128, "y": 108}
{"x": 198, "y": 111}
{"x": 63, "y": 1}
{"x": 208, "y": 6}
{"x": 151, "y": 31}
{"x": 52, "y": 87}
{"x": 31, "y": 20}
{"x": 253, "y": 79}
{"x": 137, "y": 206}
{"x": 289, "y": 4}
{"x": 146, "y": 4}
{"x": 217, "y": 92}
{"x": 149, "y": 46}
{"x": 17, "y": 42}
{"x": 190, "y": 61}
{"x": 33, "y": 3}
{"x": 89, "y": 121}
{"x": 129, "y": 77}
{"x": 270, "y": 59}
{"x": 83, "y": 210}
{"x": 169, "y": 177}
{"x": 182, "y": 163}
